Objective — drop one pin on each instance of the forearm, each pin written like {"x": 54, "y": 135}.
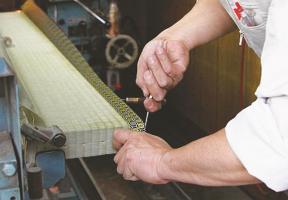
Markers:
{"x": 207, "y": 21}
{"x": 208, "y": 161}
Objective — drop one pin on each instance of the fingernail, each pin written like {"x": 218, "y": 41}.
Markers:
{"x": 158, "y": 97}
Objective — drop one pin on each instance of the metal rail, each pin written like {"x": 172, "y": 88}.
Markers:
{"x": 100, "y": 19}
{"x": 92, "y": 179}
{"x": 108, "y": 185}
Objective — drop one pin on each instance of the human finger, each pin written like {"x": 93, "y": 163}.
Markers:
{"x": 133, "y": 178}
{"x": 121, "y": 164}
{"x": 151, "y": 105}
{"x": 165, "y": 62}
{"x": 154, "y": 89}
{"x": 141, "y": 68}
{"x": 127, "y": 173}
{"x": 163, "y": 80}
{"x": 120, "y": 154}
{"x": 120, "y": 137}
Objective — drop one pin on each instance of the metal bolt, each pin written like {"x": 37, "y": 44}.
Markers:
{"x": 59, "y": 140}
{"x": 9, "y": 169}
{"x": 7, "y": 41}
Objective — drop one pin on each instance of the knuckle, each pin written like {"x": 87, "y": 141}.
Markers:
{"x": 163, "y": 83}
{"x": 178, "y": 78}
{"x": 130, "y": 145}
{"x": 182, "y": 69}
{"x": 169, "y": 70}
{"x": 125, "y": 177}
{"x": 155, "y": 107}
{"x": 115, "y": 161}
{"x": 177, "y": 73}
{"x": 129, "y": 156}
{"x": 153, "y": 65}
{"x": 149, "y": 81}
{"x": 138, "y": 81}
{"x": 119, "y": 170}
{"x": 161, "y": 57}
{"x": 159, "y": 96}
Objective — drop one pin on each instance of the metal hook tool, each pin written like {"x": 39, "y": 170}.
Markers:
{"x": 147, "y": 116}
{"x": 140, "y": 100}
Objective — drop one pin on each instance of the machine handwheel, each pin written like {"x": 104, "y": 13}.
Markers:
{"x": 121, "y": 51}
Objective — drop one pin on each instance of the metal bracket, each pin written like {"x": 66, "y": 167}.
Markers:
{"x": 9, "y": 183}
{"x": 52, "y": 135}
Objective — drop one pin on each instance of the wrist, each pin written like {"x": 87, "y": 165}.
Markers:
{"x": 164, "y": 169}
{"x": 170, "y": 34}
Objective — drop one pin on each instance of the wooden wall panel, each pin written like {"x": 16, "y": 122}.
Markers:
{"x": 163, "y": 13}
{"x": 252, "y": 76}
{"x": 228, "y": 85}
{"x": 210, "y": 92}
{"x": 204, "y": 82}
{"x": 7, "y": 5}
{"x": 195, "y": 98}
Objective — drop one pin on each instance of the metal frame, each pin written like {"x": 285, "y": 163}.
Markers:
{"x": 11, "y": 161}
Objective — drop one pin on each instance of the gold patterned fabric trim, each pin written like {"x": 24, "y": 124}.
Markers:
{"x": 65, "y": 46}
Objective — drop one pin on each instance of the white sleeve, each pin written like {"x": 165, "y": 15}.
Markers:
{"x": 259, "y": 137}
{"x": 259, "y": 134}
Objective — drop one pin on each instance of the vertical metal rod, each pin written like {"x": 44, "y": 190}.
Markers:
{"x": 147, "y": 116}
{"x": 146, "y": 120}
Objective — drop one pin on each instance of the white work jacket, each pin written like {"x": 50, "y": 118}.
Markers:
{"x": 259, "y": 134}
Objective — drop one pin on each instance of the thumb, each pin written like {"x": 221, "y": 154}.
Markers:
{"x": 120, "y": 136}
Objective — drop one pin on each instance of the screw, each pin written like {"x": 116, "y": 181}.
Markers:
{"x": 9, "y": 169}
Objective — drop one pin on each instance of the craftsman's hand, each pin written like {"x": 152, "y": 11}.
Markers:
{"x": 161, "y": 67}
{"x": 139, "y": 155}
